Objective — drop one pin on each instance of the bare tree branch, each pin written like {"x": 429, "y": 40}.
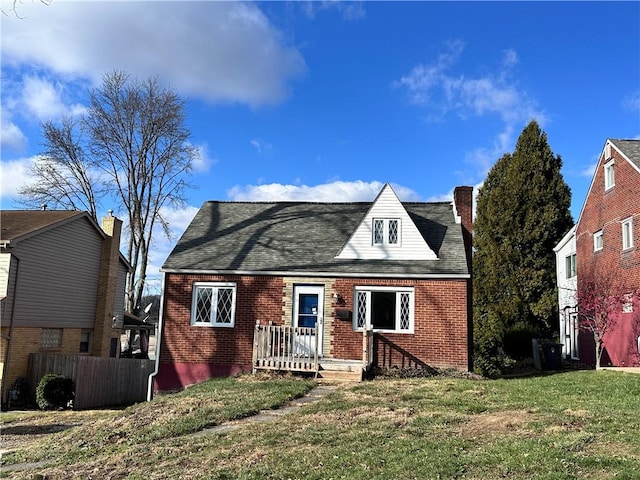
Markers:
{"x": 132, "y": 146}
{"x": 13, "y": 10}
{"x": 601, "y": 296}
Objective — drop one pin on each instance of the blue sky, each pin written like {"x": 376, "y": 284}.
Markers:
{"x": 327, "y": 101}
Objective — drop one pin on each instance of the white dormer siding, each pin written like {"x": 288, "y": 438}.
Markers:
{"x": 406, "y": 244}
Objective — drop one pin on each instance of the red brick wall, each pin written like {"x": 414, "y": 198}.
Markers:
{"x": 440, "y": 326}
{"x": 604, "y": 210}
{"x": 257, "y": 298}
{"x": 463, "y": 200}
{"x": 192, "y": 354}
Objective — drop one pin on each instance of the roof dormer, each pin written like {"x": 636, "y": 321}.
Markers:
{"x": 386, "y": 232}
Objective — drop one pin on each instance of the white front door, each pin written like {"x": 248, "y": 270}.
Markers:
{"x": 308, "y": 302}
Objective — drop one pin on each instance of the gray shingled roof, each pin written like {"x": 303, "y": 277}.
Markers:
{"x": 631, "y": 148}
{"x": 303, "y": 238}
{"x": 16, "y": 224}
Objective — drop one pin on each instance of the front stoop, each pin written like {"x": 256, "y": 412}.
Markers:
{"x": 340, "y": 370}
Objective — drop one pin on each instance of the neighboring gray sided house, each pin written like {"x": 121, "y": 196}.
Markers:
{"x": 62, "y": 282}
{"x": 336, "y": 281}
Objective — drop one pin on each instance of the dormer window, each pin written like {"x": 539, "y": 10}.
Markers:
{"x": 609, "y": 177}
{"x": 386, "y": 231}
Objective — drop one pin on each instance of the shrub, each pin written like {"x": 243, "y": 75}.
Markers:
{"x": 517, "y": 340}
{"x": 54, "y": 391}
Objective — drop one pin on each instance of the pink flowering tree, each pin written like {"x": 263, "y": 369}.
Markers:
{"x": 601, "y": 297}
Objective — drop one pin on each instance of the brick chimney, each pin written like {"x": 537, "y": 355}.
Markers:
{"x": 104, "y": 335}
{"x": 463, "y": 203}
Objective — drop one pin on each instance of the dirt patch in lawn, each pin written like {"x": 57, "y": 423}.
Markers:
{"x": 509, "y": 422}
{"x": 367, "y": 414}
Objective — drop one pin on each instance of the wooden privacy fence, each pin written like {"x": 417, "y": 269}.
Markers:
{"x": 283, "y": 347}
{"x": 99, "y": 381}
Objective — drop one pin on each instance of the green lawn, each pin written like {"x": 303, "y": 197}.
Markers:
{"x": 573, "y": 425}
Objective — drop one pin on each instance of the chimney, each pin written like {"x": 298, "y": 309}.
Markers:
{"x": 106, "y": 309}
{"x": 463, "y": 204}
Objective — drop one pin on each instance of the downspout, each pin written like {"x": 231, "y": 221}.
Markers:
{"x": 7, "y": 354}
{"x": 158, "y": 341}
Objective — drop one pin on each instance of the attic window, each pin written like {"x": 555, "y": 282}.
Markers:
{"x": 386, "y": 231}
{"x": 609, "y": 177}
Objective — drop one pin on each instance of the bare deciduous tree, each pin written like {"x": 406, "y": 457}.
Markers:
{"x": 131, "y": 147}
{"x": 13, "y": 9}
{"x": 63, "y": 176}
{"x": 601, "y": 296}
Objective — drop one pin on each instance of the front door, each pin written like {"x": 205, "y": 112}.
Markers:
{"x": 308, "y": 312}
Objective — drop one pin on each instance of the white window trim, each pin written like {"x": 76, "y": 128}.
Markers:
{"x": 568, "y": 264}
{"x": 397, "y": 290}
{"x": 609, "y": 183}
{"x": 194, "y": 300}
{"x": 627, "y": 303}
{"x": 385, "y": 232}
{"x": 598, "y": 234}
{"x": 627, "y": 223}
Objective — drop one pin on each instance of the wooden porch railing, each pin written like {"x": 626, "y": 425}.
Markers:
{"x": 367, "y": 350}
{"x": 283, "y": 347}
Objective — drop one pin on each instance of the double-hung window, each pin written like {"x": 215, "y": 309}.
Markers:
{"x": 570, "y": 264}
{"x": 85, "y": 342}
{"x": 597, "y": 241}
{"x": 627, "y": 233}
{"x": 213, "y": 304}
{"x": 386, "y": 231}
{"x": 388, "y": 309}
{"x": 609, "y": 175}
{"x": 627, "y": 303}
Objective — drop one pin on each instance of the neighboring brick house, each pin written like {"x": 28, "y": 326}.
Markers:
{"x": 62, "y": 283}
{"x": 399, "y": 269}
{"x": 607, "y": 238}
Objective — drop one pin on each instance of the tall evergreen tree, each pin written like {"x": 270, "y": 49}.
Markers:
{"x": 522, "y": 212}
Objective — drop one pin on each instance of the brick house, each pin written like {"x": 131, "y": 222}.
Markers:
{"x": 398, "y": 270}
{"x": 62, "y": 282}
{"x": 607, "y": 237}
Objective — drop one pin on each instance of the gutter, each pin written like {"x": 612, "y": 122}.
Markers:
{"x": 158, "y": 342}
{"x": 286, "y": 273}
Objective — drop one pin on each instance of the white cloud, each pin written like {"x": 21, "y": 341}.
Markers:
{"x": 42, "y": 99}
{"x": 509, "y": 58}
{"x": 217, "y": 51}
{"x": 632, "y": 101}
{"x": 14, "y": 174}
{"x": 439, "y": 91}
{"x": 11, "y": 136}
{"x": 203, "y": 161}
{"x": 337, "y": 191}
{"x": 589, "y": 170}
{"x": 261, "y": 146}
{"x": 352, "y": 10}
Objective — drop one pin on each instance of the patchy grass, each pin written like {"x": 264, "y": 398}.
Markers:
{"x": 85, "y": 434}
{"x": 574, "y": 425}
